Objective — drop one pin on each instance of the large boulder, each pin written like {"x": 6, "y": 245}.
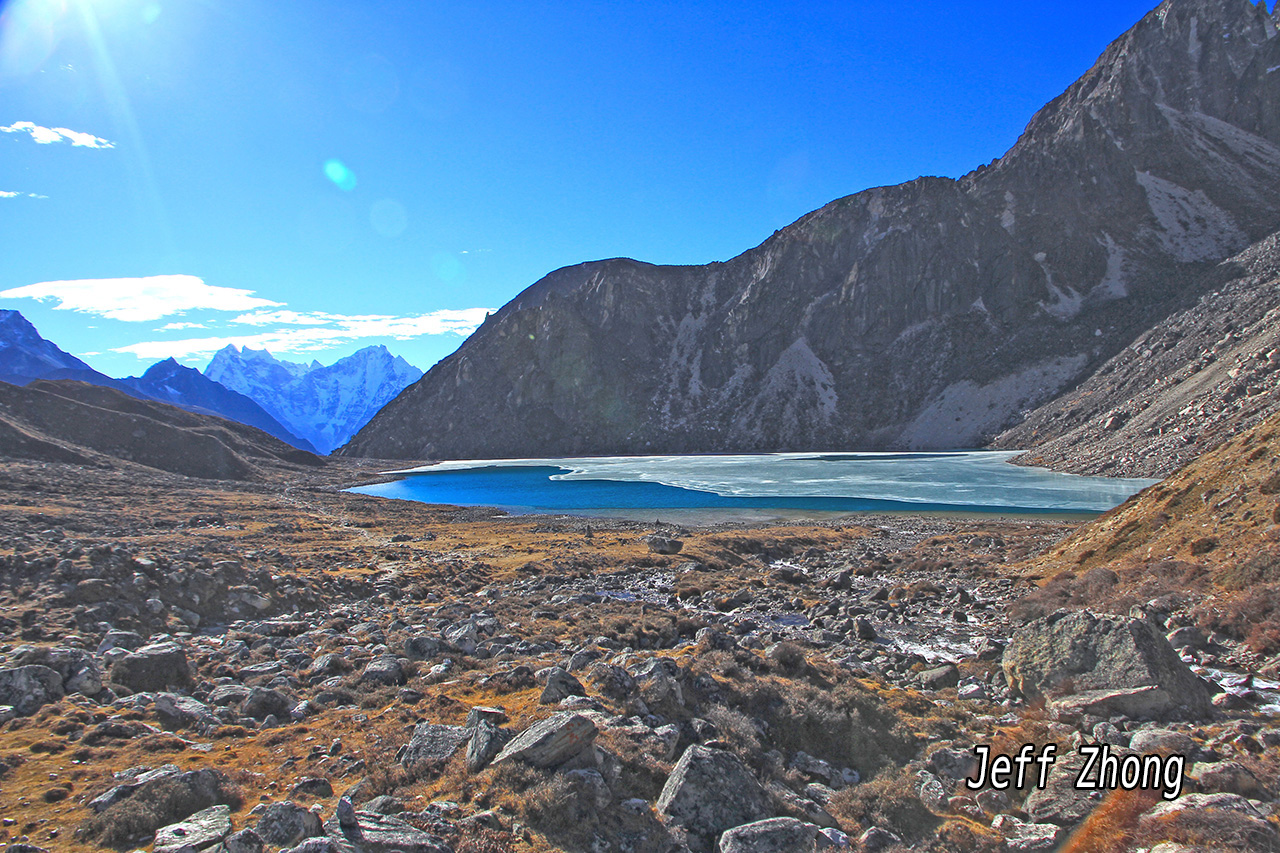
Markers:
{"x": 1082, "y": 653}
{"x": 709, "y": 791}
{"x": 202, "y": 831}
{"x": 152, "y": 668}
{"x": 433, "y": 743}
{"x": 552, "y": 741}
{"x": 263, "y": 702}
{"x": 367, "y": 832}
{"x": 286, "y": 824}
{"x": 776, "y": 835}
{"x": 79, "y": 671}
{"x": 29, "y": 688}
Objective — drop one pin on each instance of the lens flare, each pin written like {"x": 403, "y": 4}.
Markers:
{"x": 342, "y": 177}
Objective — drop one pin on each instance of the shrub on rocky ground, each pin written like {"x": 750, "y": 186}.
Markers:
{"x": 888, "y": 801}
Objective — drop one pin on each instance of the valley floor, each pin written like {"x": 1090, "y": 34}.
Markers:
{"x": 287, "y": 642}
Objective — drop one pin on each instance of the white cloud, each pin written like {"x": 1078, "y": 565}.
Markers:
{"x": 140, "y": 299}
{"x": 312, "y": 337}
{"x": 50, "y": 135}
{"x": 286, "y": 318}
{"x": 6, "y": 194}
{"x": 169, "y": 327}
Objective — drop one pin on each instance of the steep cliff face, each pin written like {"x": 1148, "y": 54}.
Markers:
{"x": 927, "y": 315}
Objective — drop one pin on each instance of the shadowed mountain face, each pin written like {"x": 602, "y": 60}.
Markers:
{"x": 926, "y": 315}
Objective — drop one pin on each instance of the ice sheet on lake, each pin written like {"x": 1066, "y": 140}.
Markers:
{"x": 978, "y": 479}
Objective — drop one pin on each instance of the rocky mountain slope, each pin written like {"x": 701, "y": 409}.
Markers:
{"x": 326, "y": 405}
{"x": 187, "y": 388}
{"x": 1195, "y": 379}
{"x": 931, "y": 314}
{"x": 78, "y": 423}
{"x": 1205, "y": 541}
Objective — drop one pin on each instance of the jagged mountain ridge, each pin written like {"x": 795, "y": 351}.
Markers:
{"x": 187, "y": 388}
{"x": 326, "y": 405}
{"x": 930, "y": 314}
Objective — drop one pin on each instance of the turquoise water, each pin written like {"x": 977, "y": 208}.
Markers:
{"x": 786, "y": 484}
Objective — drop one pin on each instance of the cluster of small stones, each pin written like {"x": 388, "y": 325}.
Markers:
{"x": 930, "y": 626}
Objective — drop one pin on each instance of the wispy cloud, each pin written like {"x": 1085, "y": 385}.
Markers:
{"x": 50, "y": 135}
{"x": 311, "y": 336}
{"x": 7, "y": 194}
{"x": 170, "y": 327}
{"x": 140, "y": 299}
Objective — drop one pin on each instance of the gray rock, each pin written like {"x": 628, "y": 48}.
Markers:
{"x": 1226, "y": 777}
{"x": 375, "y": 833}
{"x": 1152, "y": 741}
{"x": 776, "y": 835}
{"x": 184, "y": 711}
{"x": 201, "y": 831}
{"x": 312, "y": 786}
{"x": 263, "y": 702}
{"x": 876, "y": 839}
{"x": 433, "y": 743}
{"x": 29, "y": 688}
{"x": 226, "y": 695}
{"x": 155, "y": 667}
{"x": 201, "y": 789}
{"x": 116, "y": 639}
{"x": 487, "y": 740}
{"x": 709, "y": 791}
{"x": 552, "y": 741}
{"x": 560, "y": 685}
{"x": 329, "y": 663}
{"x": 244, "y": 841}
{"x": 422, "y": 647}
{"x": 1060, "y": 802}
{"x": 940, "y": 678}
{"x": 286, "y": 824}
{"x": 79, "y": 671}
{"x": 1026, "y": 837}
{"x": 481, "y": 713}
{"x": 383, "y": 670}
{"x": 1102, "y": 653}
{"x": 663, "y": 545}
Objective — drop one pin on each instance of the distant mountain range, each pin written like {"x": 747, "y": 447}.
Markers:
{"x": 934, "y": 314}
{"x": 325, "y": 405}
{"x": 328, "y": 404}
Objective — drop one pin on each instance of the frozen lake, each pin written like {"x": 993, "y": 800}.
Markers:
{"x": 782, "y": 484}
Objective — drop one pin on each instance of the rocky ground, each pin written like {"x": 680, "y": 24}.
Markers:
{"x": 203, "y": 665}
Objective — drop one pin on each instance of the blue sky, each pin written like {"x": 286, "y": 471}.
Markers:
{"x": 317, "y": 176}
